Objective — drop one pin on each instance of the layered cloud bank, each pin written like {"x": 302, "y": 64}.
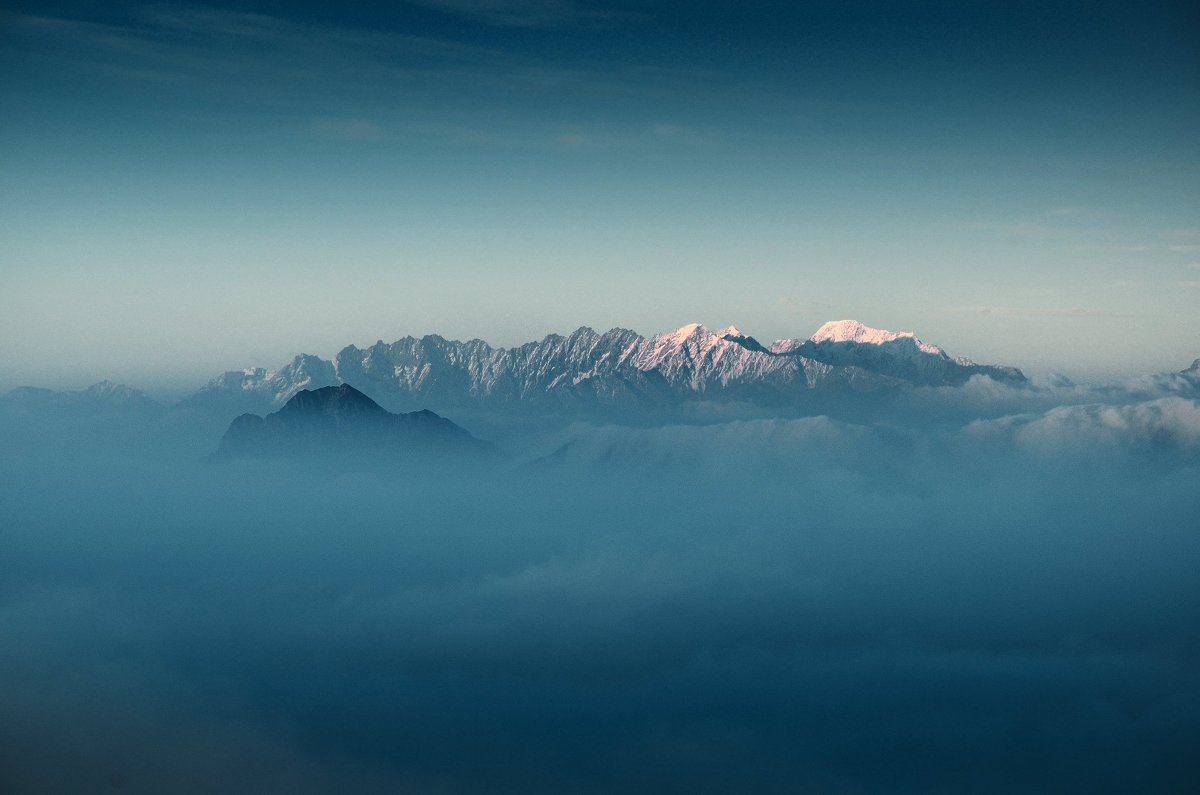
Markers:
{"x": 987, "y": 587}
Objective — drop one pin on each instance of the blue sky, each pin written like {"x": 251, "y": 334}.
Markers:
{"x": 200, "y": 187}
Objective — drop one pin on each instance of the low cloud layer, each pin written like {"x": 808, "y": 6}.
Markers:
{"x": 999, "y": 604}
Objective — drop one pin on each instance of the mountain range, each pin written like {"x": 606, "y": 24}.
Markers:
{"x": 104, "y": 396}
{"x": 588, "y": 371}
{"x": 844, "y": 370}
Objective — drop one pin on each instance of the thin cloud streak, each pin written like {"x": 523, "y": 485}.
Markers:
{"x": 529, "y": 13}
{"x": 252, "y": 58}
{"x": 1078, "y": 313}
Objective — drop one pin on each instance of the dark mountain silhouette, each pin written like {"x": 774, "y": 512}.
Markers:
{"x": 340, "y": 422}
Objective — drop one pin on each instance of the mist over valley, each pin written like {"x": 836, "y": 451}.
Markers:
{"x": 875, "y": 580}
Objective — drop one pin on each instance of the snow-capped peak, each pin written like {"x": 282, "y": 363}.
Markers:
{"x": 854, "y": 331}
{"x": 691, "y": 330}
{"x": 683, "y": 332}
{"x": 691, "y": 350}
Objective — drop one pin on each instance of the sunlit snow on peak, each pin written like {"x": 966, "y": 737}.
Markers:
{"x": 683, "y": 332}
{"x": 854, "y": 331}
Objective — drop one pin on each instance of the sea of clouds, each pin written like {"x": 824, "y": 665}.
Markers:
{"x": 985, "y": 589}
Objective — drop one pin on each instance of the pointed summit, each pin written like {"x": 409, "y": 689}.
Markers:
{"x": 698, "y": 332}
{"x": 684, "y": 332}
{"x": 340, "y": 421}
{"x": 108, "y": 392}
{"x": 336, "y": 401}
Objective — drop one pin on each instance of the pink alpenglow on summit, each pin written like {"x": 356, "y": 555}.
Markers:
{"x": 854, "y": 331}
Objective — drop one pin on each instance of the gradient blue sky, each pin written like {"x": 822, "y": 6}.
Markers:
{"x": 200, "y": 187}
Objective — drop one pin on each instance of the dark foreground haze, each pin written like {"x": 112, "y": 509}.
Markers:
{"x": 1006, "y": 604}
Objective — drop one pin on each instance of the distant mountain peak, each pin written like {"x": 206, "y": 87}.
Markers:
{"x": 1195, "y": 368}
{"x": 685, "y": 332}
{"x": 855, "y": 331}
{"x": 340, "y": 421}
{"x": 107, "y": 390}
{"x": 102, "y": 396}
{"x": 340, "y": 402}
{"x": 696, "y": 332}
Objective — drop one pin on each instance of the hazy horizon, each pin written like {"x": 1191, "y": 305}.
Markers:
{"x": 177, "y": 379}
